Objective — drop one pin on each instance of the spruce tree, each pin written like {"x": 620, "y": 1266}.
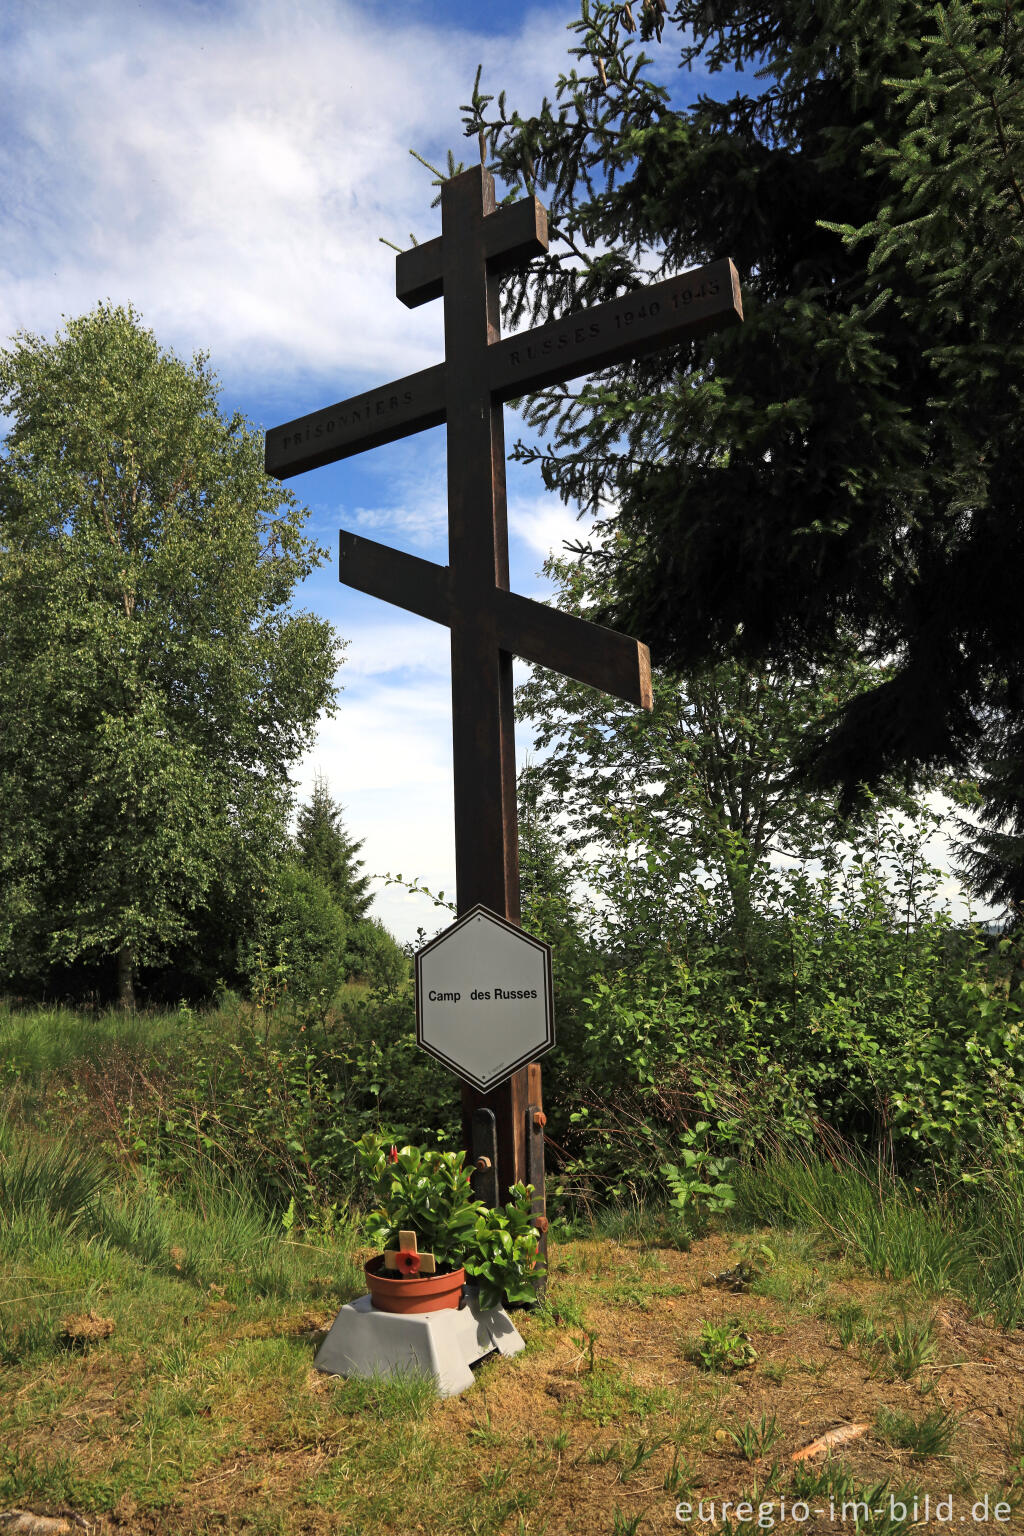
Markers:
{"x": 546, "y": 875}
{"x": 327, "y": 850}
{"x": 849, "y": 459}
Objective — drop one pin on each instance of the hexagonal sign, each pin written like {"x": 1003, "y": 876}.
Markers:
{"x": 484, "y": 1003}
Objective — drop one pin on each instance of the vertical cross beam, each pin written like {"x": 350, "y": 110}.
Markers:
{"x": 483, "y": 724}
{"x": 486, "y": 862}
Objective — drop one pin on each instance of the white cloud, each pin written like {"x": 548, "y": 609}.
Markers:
{"x": 544, "y": 523}
{"x": 229, "y": 171}
{"x": 421, "y": 524}
{"x": 392, "y": 645}
{"x": 413, "y": 508}
{"x": 417, "y": 514}
{"x": 387, "y": 756}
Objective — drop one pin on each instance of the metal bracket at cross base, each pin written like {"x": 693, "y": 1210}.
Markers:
{"x": 484, "y": 1156}
{"x": 536, "y": 1120}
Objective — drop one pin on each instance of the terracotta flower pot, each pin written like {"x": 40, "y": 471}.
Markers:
{"x": 417, "y": 1293}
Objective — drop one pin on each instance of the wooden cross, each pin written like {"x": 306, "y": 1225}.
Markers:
{"x": 407, "y": 1259}
{"x": 488, "y": 623}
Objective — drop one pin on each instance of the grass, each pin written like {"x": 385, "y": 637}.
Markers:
{"x": 930, "y": 1436}
{"x": 193, "y": 1406}
{"x": 678, "y": 1479}
{"x": 1015, "y": 1438}
{"x": 36, "y": 1043}
{"x": 757, "y": 1440}
{"x": 901, "y": 1345}
{"x": 60, "y": 1181}
{"x": 611, "y": 1396}
{"x": 623, "y": 1525}
{"x": 967, "y": 1239}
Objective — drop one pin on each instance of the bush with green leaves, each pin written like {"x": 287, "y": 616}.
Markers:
{"x": 372, "y": 954}
{"x": 850, "y": 1005}
{"x": 279, "y": 1091}
{"x": 722, "y": 1347}
{"x": 429, "y": 1191}
{"x": 315, "y": 945}
{"x": 305, "y": 931}
{"x": 701, "y": 1188}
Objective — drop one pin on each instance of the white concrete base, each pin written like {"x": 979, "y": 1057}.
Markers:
{"x": 443, "y": 1345}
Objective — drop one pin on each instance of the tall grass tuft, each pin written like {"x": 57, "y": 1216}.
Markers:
{"x": 56, "y": 1179}
{"x": 212, "y": 1231}
{"x": 966, "y": 1237}
{"x": 999, "y": 1219}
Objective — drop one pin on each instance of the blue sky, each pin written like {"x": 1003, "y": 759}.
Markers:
{"x": 229, "y": 170}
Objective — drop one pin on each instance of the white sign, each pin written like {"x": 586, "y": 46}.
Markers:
{"x": 484, "y": 1005}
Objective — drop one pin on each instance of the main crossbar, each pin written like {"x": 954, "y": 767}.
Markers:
{"x": 634, "y": 325}
{"x": 674, "y": 310}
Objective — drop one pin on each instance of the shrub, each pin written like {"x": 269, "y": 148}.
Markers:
{"x": 372, "y": 954}
{"x": 304, "y": 933}
{"x": 847, "y": 1005}
{"x": 282, "y": 1096}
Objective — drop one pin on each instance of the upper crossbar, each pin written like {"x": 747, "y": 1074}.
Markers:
{"x": 513, "y": 235}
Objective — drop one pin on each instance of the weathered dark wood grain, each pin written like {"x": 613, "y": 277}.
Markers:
{"x": 678, "y": 309}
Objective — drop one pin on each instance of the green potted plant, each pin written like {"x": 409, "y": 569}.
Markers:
{"x": 434, "y": 1236}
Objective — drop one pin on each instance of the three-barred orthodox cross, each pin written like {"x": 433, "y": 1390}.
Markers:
{"x": 488, "y": 623}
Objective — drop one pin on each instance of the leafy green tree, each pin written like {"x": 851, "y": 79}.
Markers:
{"x": 701, "y": 787}
{"x": 848, "y": 460}
{"x": 375, "y": 955}
{"x": 546, "y": 874}
{"x": 155, "y": 688}
{"x": 326, "y": 849}
{"x": 304, "y": 935}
